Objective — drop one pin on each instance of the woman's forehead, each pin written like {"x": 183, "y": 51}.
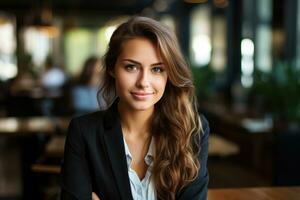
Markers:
{"x": 140, "y": 48}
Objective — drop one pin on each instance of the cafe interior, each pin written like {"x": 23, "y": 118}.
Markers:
{"x": 245, "y": 60}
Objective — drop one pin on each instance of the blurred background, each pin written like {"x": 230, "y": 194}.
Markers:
{"x": 244, "y": 54}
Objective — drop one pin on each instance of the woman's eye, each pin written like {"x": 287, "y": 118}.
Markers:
{"x": 130, "y": 67}
{"x": 157, "y": 69}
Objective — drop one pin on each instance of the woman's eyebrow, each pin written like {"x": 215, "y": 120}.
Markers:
{"x": 133, "y": 61}
{"x": 136, "y": 62}
{"x": 159, "y": 63}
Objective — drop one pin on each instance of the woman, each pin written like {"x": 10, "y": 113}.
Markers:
{"x": 150, "y": 143}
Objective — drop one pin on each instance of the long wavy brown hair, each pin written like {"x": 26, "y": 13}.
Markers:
{"x": 176, "y": 126}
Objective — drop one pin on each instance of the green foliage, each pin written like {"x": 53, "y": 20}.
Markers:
{"x": 203, "y": 80}
{"x": 281, "y": 90}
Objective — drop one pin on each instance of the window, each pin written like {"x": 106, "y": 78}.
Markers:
{"x": 8, "y": 63}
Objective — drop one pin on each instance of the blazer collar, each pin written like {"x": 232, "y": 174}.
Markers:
{"x": 113, "y": 138}
{"x": 111, "y": 116}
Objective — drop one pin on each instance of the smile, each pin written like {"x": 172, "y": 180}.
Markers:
{"x": 141, "y": 95}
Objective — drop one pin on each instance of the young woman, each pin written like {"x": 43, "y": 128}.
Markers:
{"x": 150, "y": 143}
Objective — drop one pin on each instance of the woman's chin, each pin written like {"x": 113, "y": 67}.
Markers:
{"x": 142, "y": 106}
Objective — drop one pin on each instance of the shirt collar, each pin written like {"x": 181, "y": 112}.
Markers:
{"x": 151, "y": 150}
{"x": 149, "y": 156}
{"x": 127, "y": 153}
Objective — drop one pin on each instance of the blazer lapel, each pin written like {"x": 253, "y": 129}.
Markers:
{"x": 115, "y": 147}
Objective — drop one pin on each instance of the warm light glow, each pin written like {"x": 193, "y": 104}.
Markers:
{"x": 9, "y": 124}
{"x": 3, "y": 21}
{"x": 200, "y": 42}
{"x": 7, "y": 39}
{"x": 247, "y": 47}
{"x": 38, "y": 124}
{"x": 247, "y": 62}
{"x": 221, "y": 3}
{"x": 7, "y": 70}
{"x": 51, "y": 31}
{"x": 201, "y": 45}
{"x": 37, "y": 44}
{"x": 247, "y": 66}
{"x": 264, "y": 48}
{"x": 219, "y": 34}
{"x": 79, "y": 45}
{"x": 109, "y": 31}
{"x": 247, "y": 81}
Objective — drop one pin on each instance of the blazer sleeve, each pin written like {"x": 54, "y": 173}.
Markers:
{"x": 76, "y": 184}
{"x": 197, "y": 190}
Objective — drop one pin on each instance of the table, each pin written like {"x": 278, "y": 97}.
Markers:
{"x": 219, "y": 146}
{"x": 254, "y": 137}
{"x": 31, "y": 125}
{"x": 263, "y": 193}
{"x": 26, "y": 136}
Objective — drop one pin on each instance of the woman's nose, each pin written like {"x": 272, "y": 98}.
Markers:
{"x": 143, "y": 80}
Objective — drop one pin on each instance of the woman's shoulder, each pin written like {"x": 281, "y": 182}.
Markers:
{"x": 89, "y": 121}
{"x": 204, "y": 124}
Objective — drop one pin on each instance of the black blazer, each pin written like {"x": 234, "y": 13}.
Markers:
{"x": 95, "y": 161}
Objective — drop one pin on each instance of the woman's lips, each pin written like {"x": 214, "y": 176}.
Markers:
{"x": 141, "y": 95}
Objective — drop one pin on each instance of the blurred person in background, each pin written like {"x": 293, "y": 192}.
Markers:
{"x": 84, "y": 93}
{"x": 150, "y": 143}
{"x": 53, "y": 78}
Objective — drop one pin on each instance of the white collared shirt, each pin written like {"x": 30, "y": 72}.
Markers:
{"x": 142, "y": 189}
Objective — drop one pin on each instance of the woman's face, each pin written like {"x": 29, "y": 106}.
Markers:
{"x": 140, "y": 75}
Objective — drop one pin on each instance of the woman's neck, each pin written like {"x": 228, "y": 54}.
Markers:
{"x": 135, "y": 123}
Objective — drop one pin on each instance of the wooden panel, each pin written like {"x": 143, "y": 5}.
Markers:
{"x": 273, "y": 193}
